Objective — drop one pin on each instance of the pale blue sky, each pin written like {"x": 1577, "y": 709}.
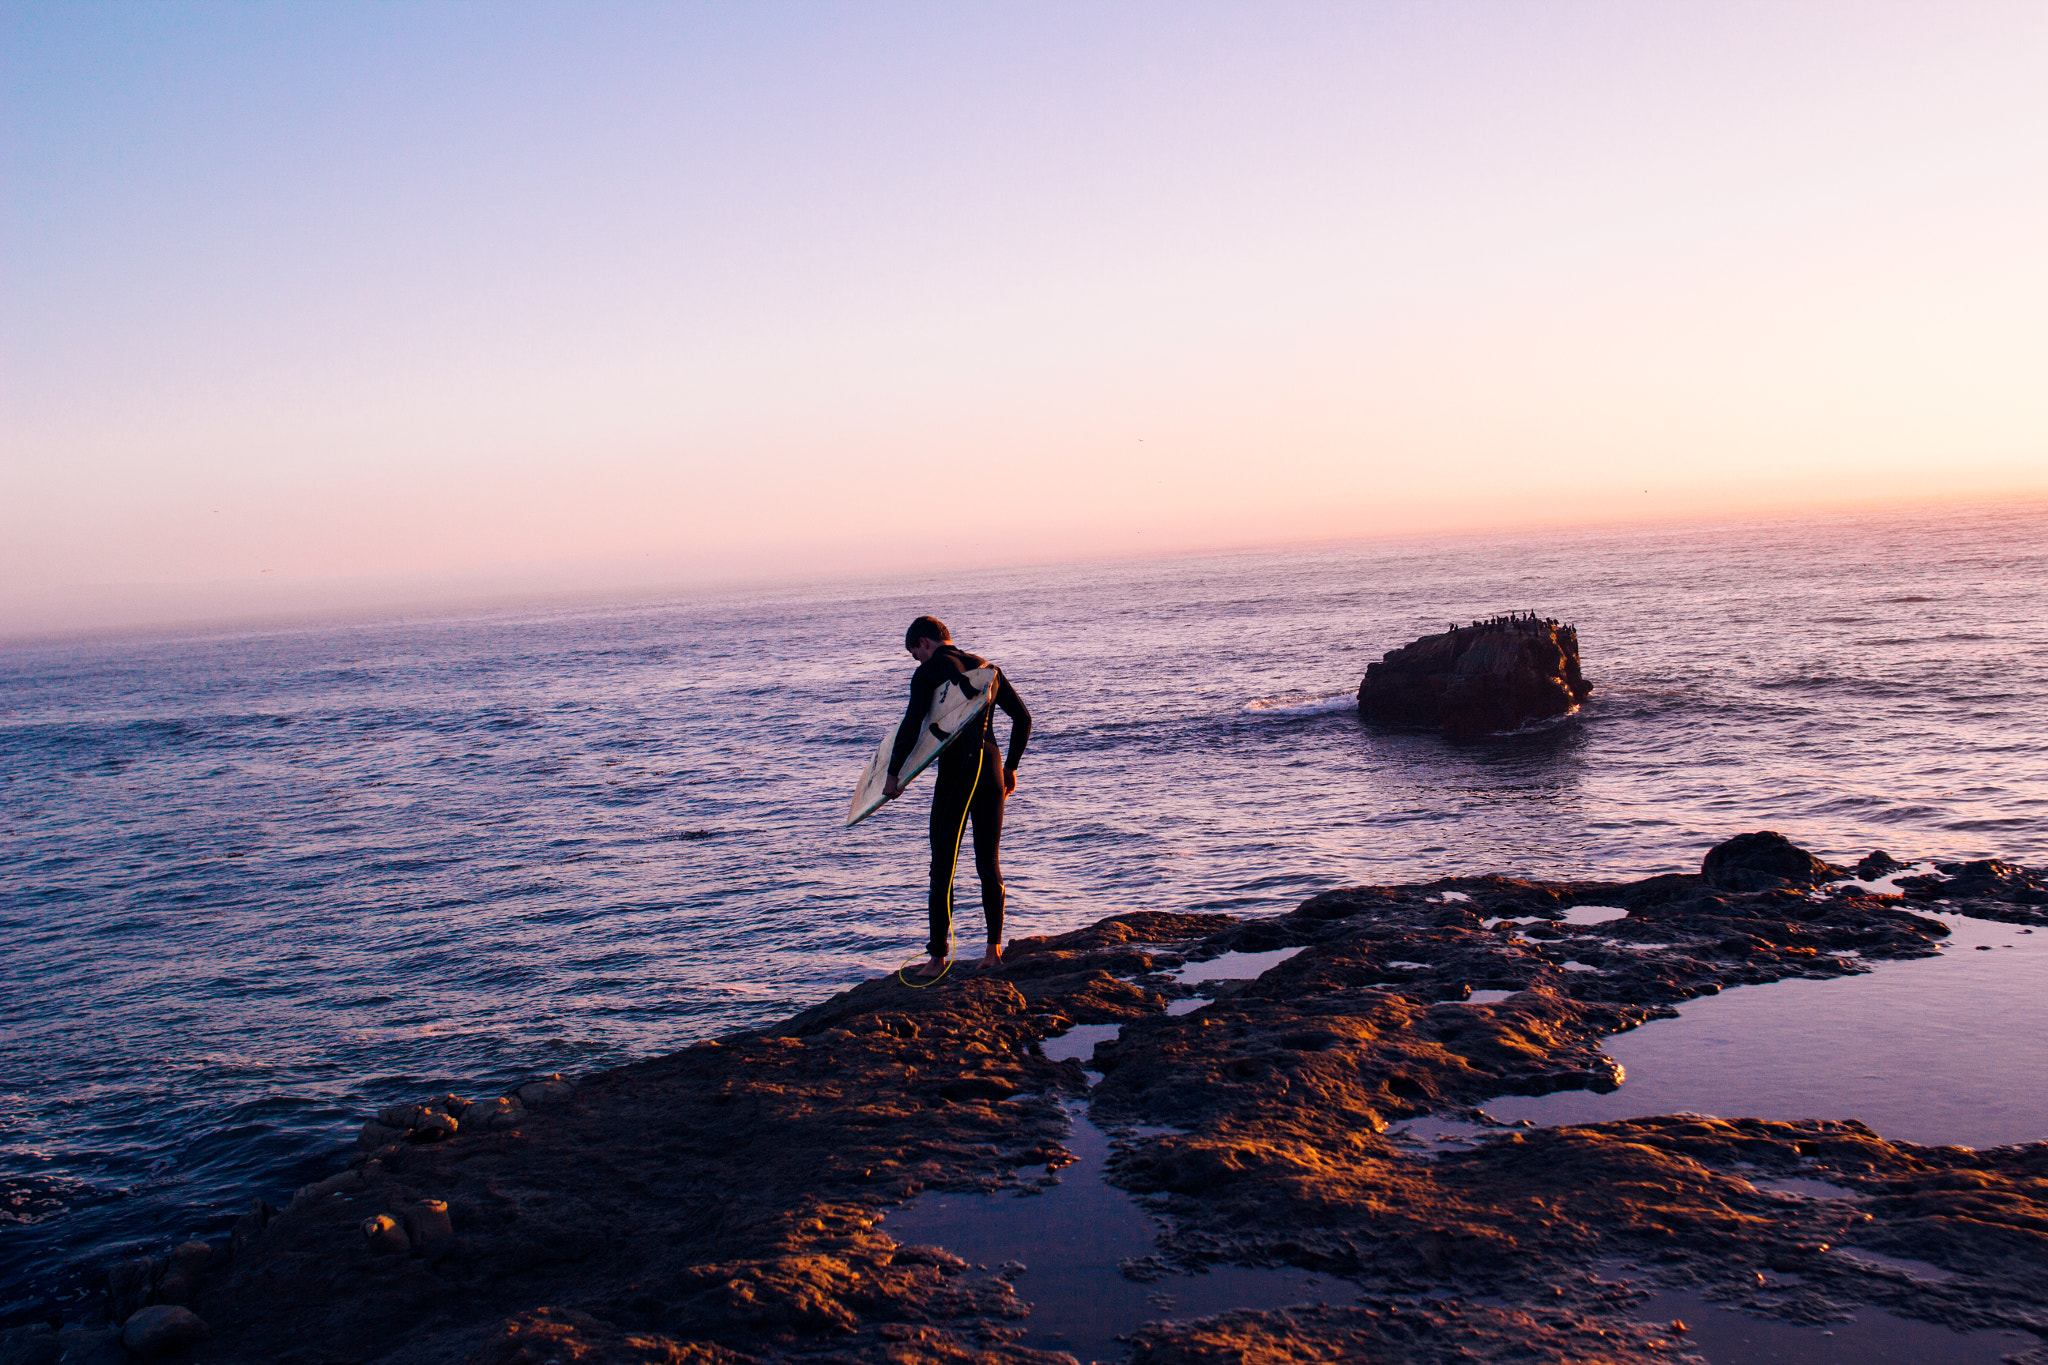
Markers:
{"x": 587, "y": 294}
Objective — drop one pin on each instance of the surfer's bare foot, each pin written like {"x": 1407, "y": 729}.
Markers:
{"x": 991, "y": 959}
{"x": 931, "y": 970}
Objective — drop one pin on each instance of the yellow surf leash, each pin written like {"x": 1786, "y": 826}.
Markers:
{"x": 980, "y": 758}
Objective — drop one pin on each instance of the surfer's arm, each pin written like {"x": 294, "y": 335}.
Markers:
{"x": 923, "y": 683}
{"x": 1020, "y": 727}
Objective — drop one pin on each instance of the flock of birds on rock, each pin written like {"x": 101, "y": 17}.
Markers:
{"x": 1516, "y": 620}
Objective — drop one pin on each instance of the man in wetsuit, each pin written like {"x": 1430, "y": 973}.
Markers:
{"x": 969, "y": 786}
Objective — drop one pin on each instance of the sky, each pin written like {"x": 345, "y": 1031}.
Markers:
{"x": 351, "y": 299}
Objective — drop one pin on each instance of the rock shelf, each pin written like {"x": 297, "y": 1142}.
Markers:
{"x": 729, "y": 1202}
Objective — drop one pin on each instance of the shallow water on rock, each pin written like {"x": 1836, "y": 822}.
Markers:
{"x": 1077, "y": 1044}
{"x": 1937, "y": 1051}
{"x": 1726, "y": 1336}
{"x": 1072, "y": 1240}
{"x": 1233, "y": 967}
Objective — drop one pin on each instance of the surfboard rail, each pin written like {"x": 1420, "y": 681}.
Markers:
{"x": 951, "y": 712}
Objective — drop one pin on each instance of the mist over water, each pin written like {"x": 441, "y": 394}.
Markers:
{"x": 258, "y": 884}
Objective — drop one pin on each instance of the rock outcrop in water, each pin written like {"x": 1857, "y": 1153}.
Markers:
{"x": 1765, "y": 861}
{"x": 1485, "y": 678}
{"x": 728, "y": 1203}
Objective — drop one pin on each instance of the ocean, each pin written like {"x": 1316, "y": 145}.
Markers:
{"x": 258, "y": 883}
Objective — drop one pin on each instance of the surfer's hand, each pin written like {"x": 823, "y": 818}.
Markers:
{"x": 1009, "y": 780}
{"x": 891, "y": 789}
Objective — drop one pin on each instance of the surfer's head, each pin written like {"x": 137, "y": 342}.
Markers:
{"x": 926, "y": 628}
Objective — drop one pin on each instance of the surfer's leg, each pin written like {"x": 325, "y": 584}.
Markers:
{"x": 988, "y": 837}
{"x": 952, "y": 791}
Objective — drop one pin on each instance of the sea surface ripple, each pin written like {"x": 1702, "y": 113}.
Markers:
{"x": 258, "y": 883}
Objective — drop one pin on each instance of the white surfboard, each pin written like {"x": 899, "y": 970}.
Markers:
{"x": 951, "y": 710}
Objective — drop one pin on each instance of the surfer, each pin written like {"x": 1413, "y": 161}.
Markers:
{"x": 969, "y": 786}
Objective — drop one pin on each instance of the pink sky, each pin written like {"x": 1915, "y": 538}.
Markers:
{"x": 536, "y": 295}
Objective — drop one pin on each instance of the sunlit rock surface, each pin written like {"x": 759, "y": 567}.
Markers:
{"x": 729, "y": 1202}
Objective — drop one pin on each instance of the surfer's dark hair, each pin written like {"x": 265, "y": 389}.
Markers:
{"x": 927, "y": 628}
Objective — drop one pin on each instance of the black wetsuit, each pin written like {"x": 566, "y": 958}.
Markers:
{"x": 968, "y": 787}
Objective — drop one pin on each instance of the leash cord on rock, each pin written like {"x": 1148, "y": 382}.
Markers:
{"x": 980, "y": 758}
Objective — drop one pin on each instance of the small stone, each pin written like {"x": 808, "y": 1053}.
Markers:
{"x": 1678, "y": 1325}
{"x": 384, "y": 1235}
{"x": 552, "y": 1090}
{"x": 497, "y": 1115}
{"x": 177, "y": 1286}
{"x": 162, "y": 1329}
{"x": 427, "y": 1224}
{"x": 433, "y": 1125}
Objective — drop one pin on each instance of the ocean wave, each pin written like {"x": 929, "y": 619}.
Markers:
{"x": 1295, "y": 704}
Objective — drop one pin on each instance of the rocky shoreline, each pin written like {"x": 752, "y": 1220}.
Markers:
{"x": 729, "y": 1202}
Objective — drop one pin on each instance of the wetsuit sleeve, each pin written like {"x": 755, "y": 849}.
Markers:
{"x": 923, "y": 684}
{"x": 1020, "y": 720}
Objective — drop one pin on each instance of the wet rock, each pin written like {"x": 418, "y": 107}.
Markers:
{"x": 736, "y": 1192}
{"x": 432, "y": 1122}
{"x": 428, "y": 1227}
{"x": 1477, "y": 680}
{"x": 433, "y": 1126}
{"x": 1764, "y": 861}
{"x": 1877, "y": 863}
{"x": 1993, "y": 879}
{"x": 131, "y": 1285}
{"x": 249, "y": 1226}
{"x": 571, "y": 1338}
{"x": 454, "y": 1106}
{"x": 384, "y": 1235}
{"x": 92, "y": 1346}
{"x": 375, "y": 1135}
{"x": 1987, "y": 888}
{"x": 180, "y": 1280}
{"x": 163, "y": 1330}
{"x": 1420, "y": 1332}
{"x": 45, "y": 1344}
{"x": 495, "y": 1115}
{"x": 540, "y": 1094}
{"x": 35, "y": 1344}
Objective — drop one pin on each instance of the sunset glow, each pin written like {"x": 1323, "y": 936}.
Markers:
{"x": 550, "y": 296}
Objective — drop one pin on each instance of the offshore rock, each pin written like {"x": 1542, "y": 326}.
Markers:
{"x": 1480, "y": 679}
